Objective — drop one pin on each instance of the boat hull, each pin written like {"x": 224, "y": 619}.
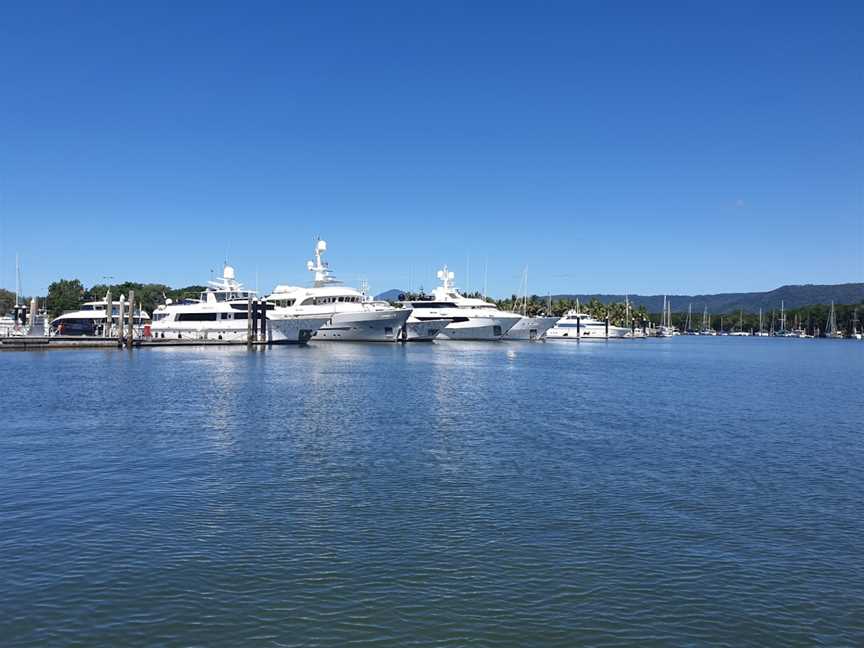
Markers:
{"x": 282, "y": 330}
{"x": 364, "y": 326}
{"x": 424, "y": 331}
{"x": 531, "y": 328}
{"x": 479, "y": 328}
{"x": 588, "y": 333}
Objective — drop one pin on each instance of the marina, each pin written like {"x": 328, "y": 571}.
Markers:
{"x": 273, "y": 373}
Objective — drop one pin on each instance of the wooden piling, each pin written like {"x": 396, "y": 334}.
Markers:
{"x": 256, "y": 309}
{"x": 109, "y": 316}
{"x": 249, "y": 321}
{"x": 131, "y": 334}
{"x": 263, "y": 321}
{"x": 121, "y": 319}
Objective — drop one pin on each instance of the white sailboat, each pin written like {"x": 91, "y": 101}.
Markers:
{"x": 706, "y": 324}
{"x": 15, "y": 322}
{"x": 666, "y": 329}
{"x": 740, "y": 332}
{"x": 831, "y": 330}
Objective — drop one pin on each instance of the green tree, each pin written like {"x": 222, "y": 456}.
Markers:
{"x": 7, "y": 301}
{"x": 64, "y": 295}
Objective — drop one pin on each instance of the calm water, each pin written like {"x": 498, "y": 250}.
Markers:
{"x": 684, "y": 492}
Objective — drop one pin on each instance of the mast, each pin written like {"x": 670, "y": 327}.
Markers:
{"x": 17, "y": 281}
{"x": 486, "y": 277}
{"x": 760, "y": 321}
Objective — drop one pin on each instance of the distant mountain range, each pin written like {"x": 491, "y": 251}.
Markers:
{"x": 791, "y": 296}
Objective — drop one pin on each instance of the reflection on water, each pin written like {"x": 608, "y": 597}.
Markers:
{"x": 686, "y": 491}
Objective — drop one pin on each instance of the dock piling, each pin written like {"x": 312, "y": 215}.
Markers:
{"x": 249, "y": 321}
{"x": 109, "y": 316}
{"x": 121, "y": 319}
{"x": 131, "y": 319}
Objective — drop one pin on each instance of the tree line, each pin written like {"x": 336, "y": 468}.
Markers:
{"x": 68, "y": 294}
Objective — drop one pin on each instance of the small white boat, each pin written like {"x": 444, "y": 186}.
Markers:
{"x": 581, "y": 326}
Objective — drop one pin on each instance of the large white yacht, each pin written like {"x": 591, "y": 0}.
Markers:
{"x": 352, "y": 315}
{"x": 468, "y": 318}
{"x": 581, "y": 326}
{"x": 92, "y": 318}
{"x": 221, "y": 313}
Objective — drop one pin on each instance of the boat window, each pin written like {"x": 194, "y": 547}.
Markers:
{"x": 223, "y": 315}
{"x": 240, "y": 316}
{"x": 196, "y": 317}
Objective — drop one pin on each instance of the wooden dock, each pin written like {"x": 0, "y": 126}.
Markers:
{"x": 40, "y": 343}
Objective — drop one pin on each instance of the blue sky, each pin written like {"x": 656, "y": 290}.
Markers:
{"x": 609, "y": 147}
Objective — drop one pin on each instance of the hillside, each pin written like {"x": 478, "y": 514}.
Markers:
{"x": 792, "y": 296}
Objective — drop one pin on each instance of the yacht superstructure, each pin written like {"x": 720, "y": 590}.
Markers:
{"x": 581, "y": 326}
{"x": 221, "y": 313}
{"x": 352, "y": 315}
{"x": 468, "y": 318}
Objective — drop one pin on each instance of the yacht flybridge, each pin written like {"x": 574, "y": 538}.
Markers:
{"x": 466, "y": 318}
{"x": 221, "y": 313}
{"x": 352, "y": 315}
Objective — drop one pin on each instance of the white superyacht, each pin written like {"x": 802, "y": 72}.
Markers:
{"x": 468, "y": 318}
{"x": 352, "y": 315}
{"x": 221, "y": 313}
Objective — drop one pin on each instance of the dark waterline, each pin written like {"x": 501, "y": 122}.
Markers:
{"x": 662, "y": 492}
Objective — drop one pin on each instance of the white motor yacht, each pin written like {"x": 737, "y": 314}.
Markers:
{"x": 92, "y": 318}
{"x": 352, "y": 315}
{"x": 468, "y": 318}
{"x": 581, "y": 326}
{"x": 221, "y": 313}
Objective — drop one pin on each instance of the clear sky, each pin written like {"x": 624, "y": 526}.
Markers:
{"x": 646, "y": 147}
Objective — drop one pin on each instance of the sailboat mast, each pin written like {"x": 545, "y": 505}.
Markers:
{"x": 17, "y": 281}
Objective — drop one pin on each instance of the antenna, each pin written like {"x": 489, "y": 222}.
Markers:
{"x": 485, "y": 276}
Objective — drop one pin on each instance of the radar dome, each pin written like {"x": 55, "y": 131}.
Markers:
{"x": 228, "y": 272}
{"x": 322, "y": 246}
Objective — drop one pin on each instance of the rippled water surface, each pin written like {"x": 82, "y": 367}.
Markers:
{"x": 679, "y": 492}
